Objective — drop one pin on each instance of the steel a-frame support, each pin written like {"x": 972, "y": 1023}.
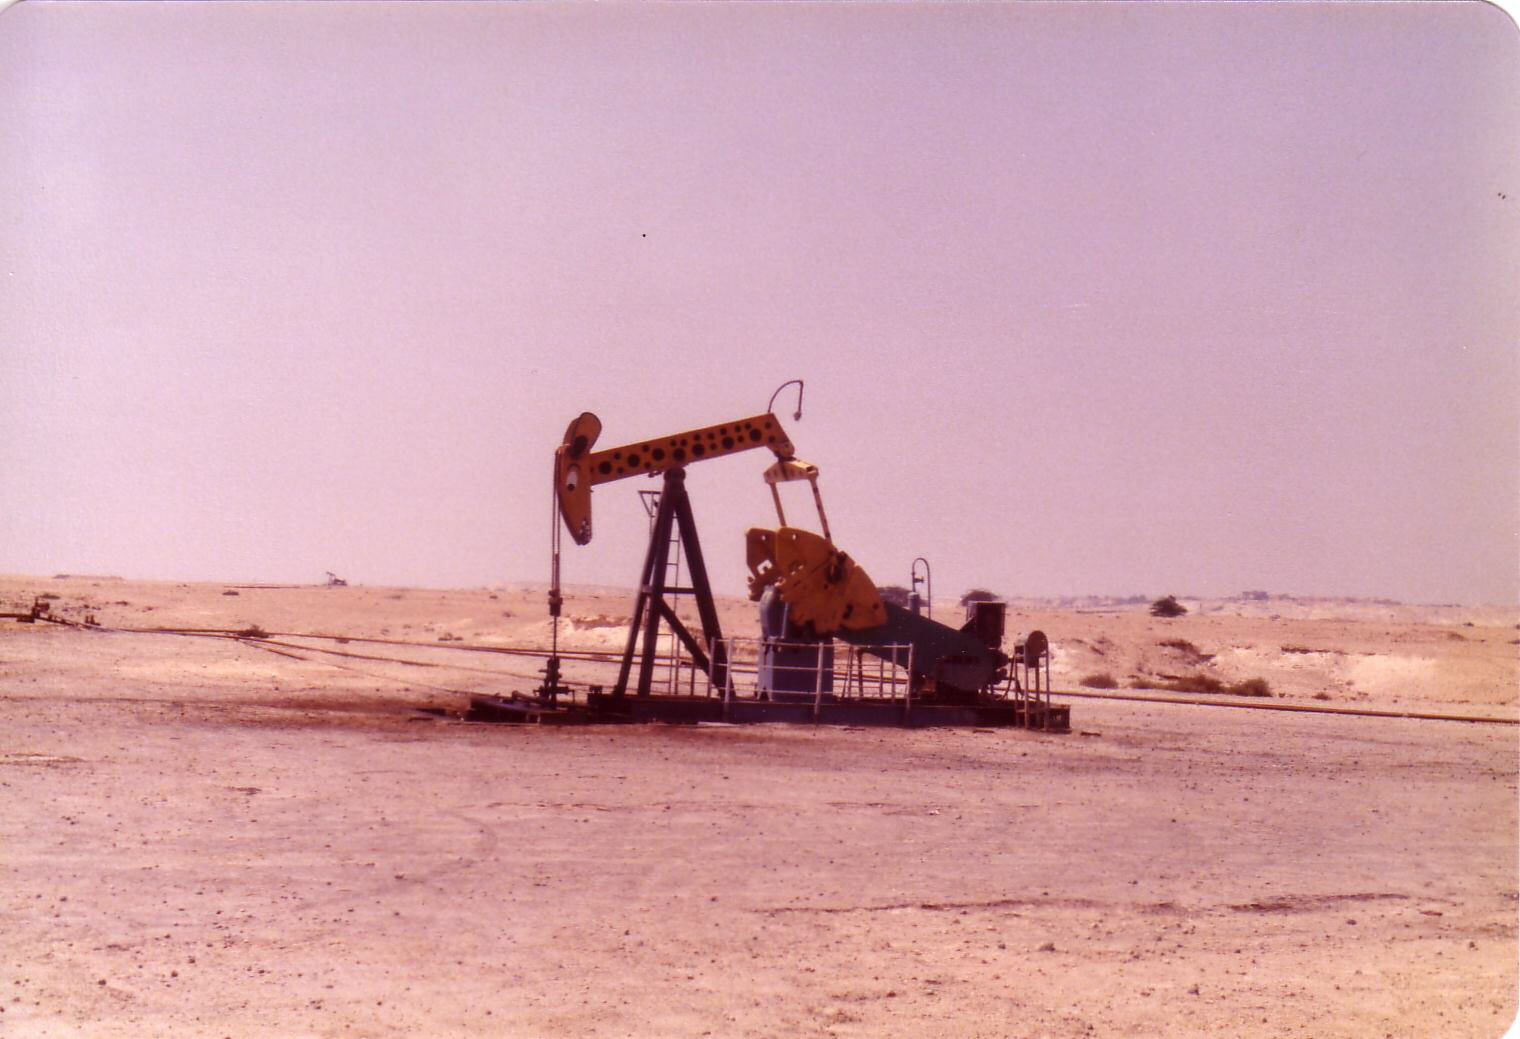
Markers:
{"x": 652, "y": 605}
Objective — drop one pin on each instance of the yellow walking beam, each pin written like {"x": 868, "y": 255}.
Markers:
{"x": 577, "y": 468}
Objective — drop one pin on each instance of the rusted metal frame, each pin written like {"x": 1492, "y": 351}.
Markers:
{"x": 691, "y": 544}
{"x": 655, "y": 581}
{"x": 673, "y": 571}
{"x": 650, "y": 607}
{"x": 672, "y": 662}
{"x": 693, "y": 647}
{"x": 653, "y": 555}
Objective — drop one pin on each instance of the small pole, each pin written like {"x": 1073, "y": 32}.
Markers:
{"x": 908, "y": 692}
{"x": 818, "y": 682}
{"x": 1045, "y": 721}
{"x": 728, "y": 683}
{"x": 709, "y": 670}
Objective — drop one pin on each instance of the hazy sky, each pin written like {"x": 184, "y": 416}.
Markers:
{"x": 1089, "y": 298}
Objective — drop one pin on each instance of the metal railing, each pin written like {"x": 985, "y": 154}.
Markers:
{"x": 1028, "y": 685}
{"x": 831, "y": 674}
{"x": 841, "y": 672}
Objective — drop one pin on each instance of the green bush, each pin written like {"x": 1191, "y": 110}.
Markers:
{"x": 1102, "y": 680}
{"x": 1201, "y": 683}
{"x": 1167, "y": 607}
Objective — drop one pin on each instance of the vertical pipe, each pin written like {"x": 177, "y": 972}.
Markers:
{"x": 1024, "y": 663}
{"x": 927, "y": 581}
{"x": 1047, "y": 691}
{"x": 709, "y": 672}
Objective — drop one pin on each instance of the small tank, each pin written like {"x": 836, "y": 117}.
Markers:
{"x": 794, "y": 664}
{"x": 985, "y": 619}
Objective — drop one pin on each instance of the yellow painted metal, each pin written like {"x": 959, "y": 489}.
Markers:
{"x": 760, "y": 556}
{"x": 790, "y": 469}
{"x": 787, "y": 470}
{"x": 823, "y": 586}
{"x": 577, "y": 468}
{"x": 655, "y": 456}
{"x": 572, "y": 479}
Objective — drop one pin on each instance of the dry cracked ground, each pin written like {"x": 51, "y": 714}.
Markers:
{"x": 205, "y": 837}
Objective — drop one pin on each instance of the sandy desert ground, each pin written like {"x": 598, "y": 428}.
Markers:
{"x": 203, "y": 836}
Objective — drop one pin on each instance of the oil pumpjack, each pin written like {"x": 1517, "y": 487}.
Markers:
{"x": 810, "y": 593}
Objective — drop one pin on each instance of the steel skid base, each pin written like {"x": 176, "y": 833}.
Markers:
{"x": 605, "y": 709}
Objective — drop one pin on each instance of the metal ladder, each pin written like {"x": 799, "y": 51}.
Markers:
{"x": 669, "y": 651}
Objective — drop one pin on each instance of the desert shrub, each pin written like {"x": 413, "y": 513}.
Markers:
{"x": 979, "y": 595}
{"x": 1195, "y": 683}
{"x": 1167, "y": 606}
{"x": 1190, "y": 653}
{"x": 1252, "y": 687}
{"x": 1103, "y": 680}
{"x": 895, "y": 594}
{"x": 253, "y": 631}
